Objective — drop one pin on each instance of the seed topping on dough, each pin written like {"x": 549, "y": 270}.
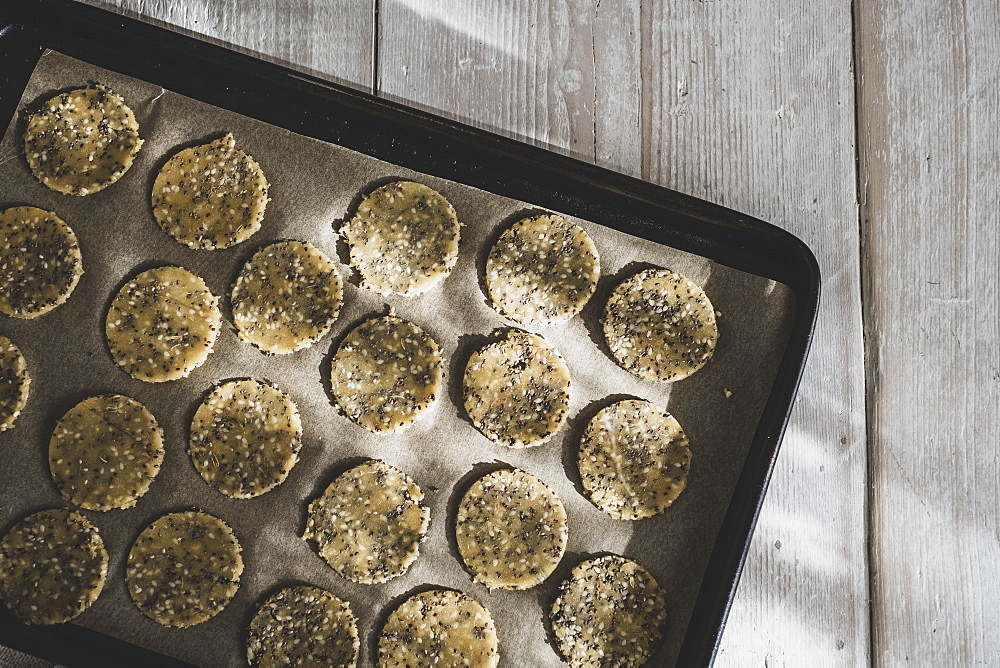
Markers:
{"x": 14, "y": 383}
{"x": 184, "y": 568}
{"x": 517, "y": 390}
{"x": 81, "y": 141}
{"x": 303, "y": 626}
{"x": 403, "y": 238}
{"x": 40, "y": 261}
{"x": 610, "y": 612}
{"x": 386, "y": 372}
{"x": 210, "y": 196}
{"x": 511, "y": 530}
{"x": 660, "y": 326}
{"x": 542, "y": 270}
{"x": 162, "y": 324}
{"x": 440, "y": 627}
{"x": 105, "y": 452}
{"x": 245, "y": 438}
{"x": 53, "y": 566}
{"x": 286, "y": 297}
{"x": 634, "y": 459}
{"x": 369, "y": 523}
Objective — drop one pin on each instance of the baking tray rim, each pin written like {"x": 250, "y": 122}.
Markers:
{"x": 447, "y": 149}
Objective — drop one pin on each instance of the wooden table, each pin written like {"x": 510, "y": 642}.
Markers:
{"x": 871, "y": 129}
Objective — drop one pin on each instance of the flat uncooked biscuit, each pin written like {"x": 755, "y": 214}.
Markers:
{"x": 634, "y": 459}
{"x": 105, "y": 452}
{"x": 14, "y": 383}
{"x": 184, "y": 568}
{"x": 40, "y": 261}
{"x": 162, "y": 324}
{"x": 542, "y": 270}
{"x": 440, "y": 627}
{"x": 517, "y": 390}
{"x": 386, "y": 372}
{"x": 245, "y": 438}
{"x": 610, "y": 612}
{"x": 660, "y": 326}
{"x": 286, "y": 297}
{"x": 53, "y": 566}
{"x": 81, "y": 141}
{"x": 210, "y": 196}
{"x": 303, "y": 626}
{"x": 511, "y": 530}
{"x": 369, "y": 523}
{"x": 403, "y": 239}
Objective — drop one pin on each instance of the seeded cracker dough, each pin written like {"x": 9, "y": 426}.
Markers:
{"x": 660, "y": 326}
{"x": 403, "y": 239}
{"x": 511, "y": 530}
{"x": 303, "y": 626}
{"x": 245, "y": 438}
{"x": 369, "y": 523}
{"x": 517, "y": 390}
{"x": 14, "y": 383}
{"x": 105, "y": 452}
{"x": 609, "y": 614}
{"x": 81, "y": 141}
{"x": 440, "y": 627}
{"x": 184, "y": 568}
{"x": 162, "y": 324}
{"x": 40, "y": 261}
{"x": 286, "y": 297}
{"x": 53, "y": 566}
{"x": 210, "y": 196}
{"x": 386, "y": 372}
{"x": 542, "y": 270}
{"x": 634, "y": 460}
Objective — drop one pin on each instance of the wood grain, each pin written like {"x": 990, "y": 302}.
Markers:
{"x": 562, "y": 73}
{"x": 328, "y": 38}
{"x": 929, "y": 115}
{"x": 751, "y": 105}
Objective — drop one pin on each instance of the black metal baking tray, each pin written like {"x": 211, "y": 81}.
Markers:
{"x": 440, "y": 147}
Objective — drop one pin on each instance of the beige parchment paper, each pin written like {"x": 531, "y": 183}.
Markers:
{"x": 313, "y": 186}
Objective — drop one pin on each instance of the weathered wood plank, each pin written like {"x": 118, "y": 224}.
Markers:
{"x": 331, "y": 38}
{"x": 751, "y": 105}
{"x": 930, "y": 118}
{"x": 561, "y": 73}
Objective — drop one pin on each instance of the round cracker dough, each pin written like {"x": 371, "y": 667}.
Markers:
{"x": 386, "y": 372}
{"x": 162, "y": 324}
{"x": 286, "y": 297}
{"x": 40, "y": 261}
{"x": 511, "y": 530}
{"x": 517, "y": 390}
{"x": 634, "y": 459}
{"x": 53, "y": 566}
{"x": 609, "y": 612}
{"x": 403, "y": 238}
{"x": 14, "y": 383}
{"x": 440, "y": 627}
{"x": 303, "y": 626}
{"x": 369, "y": 523}
{"x": 660, "y": 326}
{"x": 245, "y": 438}
{"x": 105, "y": 452}
{"x": 542, "y": 270}
{"x": 184, "y": 568}
{"x": 210, "y": 196}
{"x": 81, "y": 141}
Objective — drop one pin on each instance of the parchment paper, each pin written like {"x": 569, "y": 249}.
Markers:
{"x": 314, "y": 185}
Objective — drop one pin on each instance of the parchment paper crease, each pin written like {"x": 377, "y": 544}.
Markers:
{"x": 313, "y": 185}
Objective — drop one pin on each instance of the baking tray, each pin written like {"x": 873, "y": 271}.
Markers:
{"x": 426, "y": 143}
